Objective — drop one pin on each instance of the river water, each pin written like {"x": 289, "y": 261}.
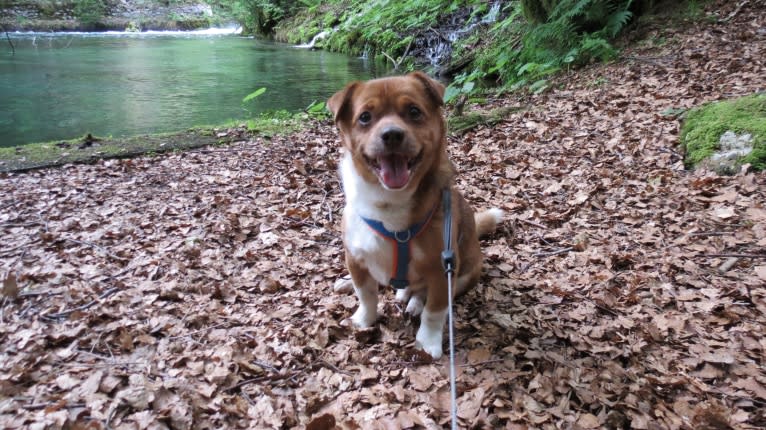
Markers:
{"x": 64, "y": 85}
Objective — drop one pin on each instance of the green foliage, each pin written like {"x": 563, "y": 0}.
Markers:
{"x": 318, "y": 110}
{"x": 387, "y": 26}
{"x": 89, "y": 11}
{"x": 547, "y": 36}
{"x": 261, "y": 16}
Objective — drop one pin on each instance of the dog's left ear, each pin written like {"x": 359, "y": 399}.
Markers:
{"x": 434, "y": 88}
{"x": 340, "y": 102}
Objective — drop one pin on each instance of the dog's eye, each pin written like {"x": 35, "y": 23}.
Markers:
{"x": 365, "y": 118}
{"x": 415, "y": 113}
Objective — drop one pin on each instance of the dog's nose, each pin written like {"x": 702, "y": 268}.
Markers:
{"x": 392, "y": 136}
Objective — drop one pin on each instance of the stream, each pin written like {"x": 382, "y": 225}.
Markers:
{"x": 64, "y": 85}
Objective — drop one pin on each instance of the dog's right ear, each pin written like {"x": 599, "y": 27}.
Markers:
{"x": 340, "y": 102}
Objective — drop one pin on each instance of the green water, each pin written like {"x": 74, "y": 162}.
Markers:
{"x": 64, "y": 85}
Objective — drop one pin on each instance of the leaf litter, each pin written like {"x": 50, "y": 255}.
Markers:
{"x": 194, "y": 290}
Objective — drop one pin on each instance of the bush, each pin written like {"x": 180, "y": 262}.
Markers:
{"x": 89, "y": 12}
{"x": 261, "y": 16}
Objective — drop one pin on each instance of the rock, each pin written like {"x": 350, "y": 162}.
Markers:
{"x": 732, "y": 148}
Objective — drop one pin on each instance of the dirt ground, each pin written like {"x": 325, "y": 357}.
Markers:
{"x": 194, "y": 290}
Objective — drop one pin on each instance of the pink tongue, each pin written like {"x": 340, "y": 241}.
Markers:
{"x": 393, "y": 171}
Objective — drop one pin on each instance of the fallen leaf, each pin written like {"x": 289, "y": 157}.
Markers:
{"x": 322, "y": 422}
{"x": 10, "y": 287}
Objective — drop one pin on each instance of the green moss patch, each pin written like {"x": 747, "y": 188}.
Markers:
{"x": 703, "y": 127}
{"x": 460, "y": 124}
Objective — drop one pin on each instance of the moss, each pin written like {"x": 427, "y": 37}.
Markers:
{"x": 463, "y": 123}
{"x": 88, "y": 149}
{"x": 84, "y": 150}
{"x": 703, "y": 127}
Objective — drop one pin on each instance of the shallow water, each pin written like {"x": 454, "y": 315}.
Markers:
{"x": 63, "y": 85}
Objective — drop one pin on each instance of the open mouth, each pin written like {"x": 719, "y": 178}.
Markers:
{"x": 394, "y": 170}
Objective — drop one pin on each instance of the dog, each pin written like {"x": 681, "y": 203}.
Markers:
{"x": 396, "y": 176}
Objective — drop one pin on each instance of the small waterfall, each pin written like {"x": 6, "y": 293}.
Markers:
{"x": 314, "y": 40}
{"x": 437, "y": 45}
{"x": 491, "y": 16}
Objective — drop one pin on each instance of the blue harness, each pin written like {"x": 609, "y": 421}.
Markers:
{"x": 402, "y": 243}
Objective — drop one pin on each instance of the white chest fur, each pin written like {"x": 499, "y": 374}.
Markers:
{"x": 365, "y": 199}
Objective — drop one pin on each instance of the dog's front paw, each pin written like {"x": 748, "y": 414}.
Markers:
{"x": 429, "y": 341}
{"x": 344, "y": 285}
{"x": 415, "y": 306}
{"x": 364, "y": 318}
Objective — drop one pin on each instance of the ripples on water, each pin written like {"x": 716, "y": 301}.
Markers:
{"x": 63, "y": 85}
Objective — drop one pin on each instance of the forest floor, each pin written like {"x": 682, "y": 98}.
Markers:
{"x": 194, "y": 289}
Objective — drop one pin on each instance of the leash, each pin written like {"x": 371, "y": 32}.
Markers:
{"x": 448, "y": 261}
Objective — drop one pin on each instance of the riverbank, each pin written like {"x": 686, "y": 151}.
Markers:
{"x": 193, "y": 289}
{"x": 90, "y": 149}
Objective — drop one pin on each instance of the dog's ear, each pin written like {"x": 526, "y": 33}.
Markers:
{"x": 340, "y": 102}
{"x": 434, "y": 88}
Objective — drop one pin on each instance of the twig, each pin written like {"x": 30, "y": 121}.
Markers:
{"x": 710, "y": 233}
{"x": 66, "y": 313}
{"x": 730, "y": 256}
{"x": 278, "y": 377}
{"x": 323, "y": 363}
{"x": 265, "y": 365}
{"x": 38, "y": 406}
{"x": 407, "y": 363}
{"x": 121, "y": 272}
{"x": 11, "y": 224}
{"x": 13, "y": 48}
{"x": 246, "y": 382}
{"x": 439, "y": 33}
{"x": 9, "y": 251}
{"x": 212, "y": 327}
{"x": 728, "y": 264}
{"x": 398, "y": 63}
{"x": 98, "y": 247}
{"x": 481, "y": 363}
{"x": 552, "y": 253}
{"x": 38, "y": 293}
{"x": 733, "y": 14}
{"x": 532, "y": 223}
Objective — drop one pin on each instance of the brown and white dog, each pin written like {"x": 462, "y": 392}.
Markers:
{"x": 394, "y": 169}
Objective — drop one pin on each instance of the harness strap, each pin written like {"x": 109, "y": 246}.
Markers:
{"x": 402, "y": 244}
{"x": 448, "y": 255}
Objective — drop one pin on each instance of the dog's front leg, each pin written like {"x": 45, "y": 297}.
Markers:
{"x": 366, "y": 289}
{"x": 434, "y": 316}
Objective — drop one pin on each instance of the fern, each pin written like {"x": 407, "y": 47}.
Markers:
{"x": 564, "y": 34}
{"x": 617, "y": 21}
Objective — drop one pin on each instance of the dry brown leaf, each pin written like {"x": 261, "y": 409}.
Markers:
{"x": 10, "y": 287}
{"x": 322, "y": 422}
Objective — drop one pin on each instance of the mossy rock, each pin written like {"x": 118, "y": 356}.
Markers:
{"x": 724, "y": 135}
{"x": 460, "y": 124}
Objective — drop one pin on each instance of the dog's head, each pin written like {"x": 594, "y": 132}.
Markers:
{"x": 393, "y": 127}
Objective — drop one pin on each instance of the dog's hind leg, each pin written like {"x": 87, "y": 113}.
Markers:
{"x": 466, "y": 281}
{"x": 344, "y": 285}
